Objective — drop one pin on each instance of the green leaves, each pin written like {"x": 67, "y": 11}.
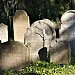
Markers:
{"x": 43, "y": 68}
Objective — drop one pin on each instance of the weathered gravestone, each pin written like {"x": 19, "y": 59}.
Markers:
{"x": 3, "y": 33}
{"x": 36, "y": 44}
{"x": 14, "y": 55}
{"x": 60, "y": 52}
{"x": 45, "y": 28}
{"x": 68, "y": 21}
{"x": 39, "y": 36}
{"x": 20, "y": 24}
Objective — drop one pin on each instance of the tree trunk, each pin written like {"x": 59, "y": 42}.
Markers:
{"x": 73, "y": 4}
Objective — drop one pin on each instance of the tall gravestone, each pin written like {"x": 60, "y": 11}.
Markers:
{"x": 20, "y": 25}
{"x": 3, "y": 33}
{"x": 68, "y": 20}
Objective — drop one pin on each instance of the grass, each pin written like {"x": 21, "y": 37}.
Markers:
{"x": 43, "y": 68}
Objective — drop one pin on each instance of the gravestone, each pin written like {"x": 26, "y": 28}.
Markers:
{"x": 14, "y": 55}
{"x": 36, "y": 43}
{"x": 60, "y": 52}
{"x": 68, "y": 20}
{"x": 39, "y": 35}
{"x": 20, "y": 24}
{"x": 3, "y": 33}
{"x": 45, "y": 28}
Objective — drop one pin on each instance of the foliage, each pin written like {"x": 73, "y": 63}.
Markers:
{"x": 43, "y": 68}
{"x": 39, "y": 9}
{"x": 58, "y": 7}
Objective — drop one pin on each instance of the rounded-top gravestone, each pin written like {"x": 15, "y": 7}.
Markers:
{"x": 39, "y": 35}
{"x": 20, "y": 25}
{"x": 68, "y": 24}
{"x": 14, "y": 55}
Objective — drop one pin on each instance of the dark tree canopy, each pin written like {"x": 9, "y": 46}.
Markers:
{"x": 39, "y": 9}
{"x": 36, "y": 9}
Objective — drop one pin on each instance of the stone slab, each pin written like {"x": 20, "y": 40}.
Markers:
{"x": 60, "y": 52}
{"x": 14, "y": 55}
{"x": 45, "y": 28}
{"x": 20, "y": 24}
{"x": 3, "y": 33}
{"x": 39, "y": 35}
{"x": 68, "y": 24}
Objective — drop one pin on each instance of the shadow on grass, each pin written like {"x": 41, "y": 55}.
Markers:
{"x": 32, "y": 74}
{"x": 72, "y": 59}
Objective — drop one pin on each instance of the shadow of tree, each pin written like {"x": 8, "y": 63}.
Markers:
{"x": 32, "y": 74}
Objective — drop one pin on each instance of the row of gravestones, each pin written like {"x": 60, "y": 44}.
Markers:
{"x": 20, "y": 24}
{"x": 14, "y": 54}
{"x": 35, "y": 39}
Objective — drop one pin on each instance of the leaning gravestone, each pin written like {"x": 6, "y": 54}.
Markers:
{"x": 68, "y": 20}
{"x": 45, "y": 28}
{"x": 20, "y": 24}
{"x": 14, "y": 55}
{"x": 39, "y": 36}
{"x": 60, "y": 52}
{"x": 36, "y": 45}
{"x": 3, "y": 33}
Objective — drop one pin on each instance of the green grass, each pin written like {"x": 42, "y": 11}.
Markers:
{"x": 43, "y": 68}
